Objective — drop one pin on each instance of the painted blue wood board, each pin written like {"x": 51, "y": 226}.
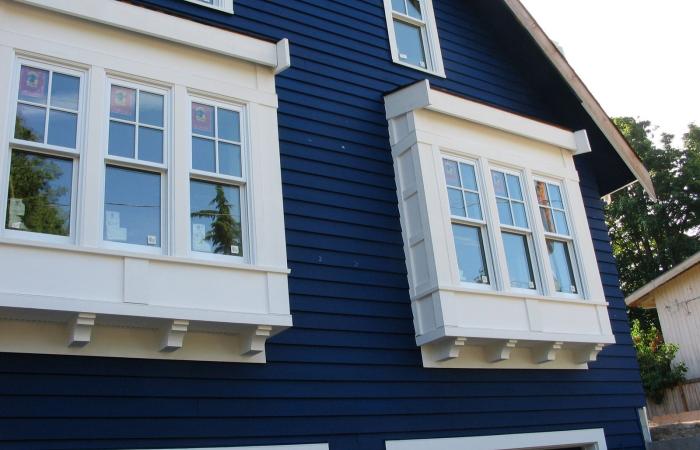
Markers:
{"x": 349, "y": 373}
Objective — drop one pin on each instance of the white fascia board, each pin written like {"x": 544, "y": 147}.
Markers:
{"x": 591, "y": 439}
{"x": 174, "y": 29}
{"x": 421, "y": 96}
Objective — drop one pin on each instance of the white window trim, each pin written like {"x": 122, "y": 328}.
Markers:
{"x": 456, "y": 324}
{"x": 431, "y": 40}
{"x": 76, "y": 155}
{"x": 590, "y": 439}
{"x": 242, "y": 182}
{"x": 162, "y": 169}
{"x": 221, "y": 5}
{"x": 129, "y": 292}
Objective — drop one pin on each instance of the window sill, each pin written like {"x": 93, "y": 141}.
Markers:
{"x": 440, "y": 73}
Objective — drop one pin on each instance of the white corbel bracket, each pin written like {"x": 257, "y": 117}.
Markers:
{"x": 174, "y": 335}
{"x": 500, "y": 351}
{"x": 254, "y": 341}
{"x": 449, "y": 348}
{"x": 546, "y": 352}
{"x": 80, "y": 329}
{"x": 589, "y": 353}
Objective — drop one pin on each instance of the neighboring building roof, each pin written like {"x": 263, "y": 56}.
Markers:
{"x": 637, "y": 297}
{"x": 589, "y": 103}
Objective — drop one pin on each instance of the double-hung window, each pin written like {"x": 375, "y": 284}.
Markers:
{"x": 136, "y": 165}
{"x": 217, "y": 179}
{"x": 557, "y": 235}
{"x": 468, "y": 224}
{"x": 45, "y": 150}
{"x": 413, "y": 34}
{"x": 515, "y": 228}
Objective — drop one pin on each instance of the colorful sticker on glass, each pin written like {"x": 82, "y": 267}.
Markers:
{"x": 33, "y": 84}
{"x": 122, "y": 103}
{"x": 202, "y": 119}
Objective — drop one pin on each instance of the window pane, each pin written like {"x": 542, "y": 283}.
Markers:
{"x": 122, "y": 103}
{"x": 555, "y": 196}
{"x": 33, "y": 84}
{"x": 203, "y": 157}
{"x": 562, "y": 269}
{"x": 468, "y": 176}
{"x": 541, "y": 190}
{"x": 150, "y": 145}
{"x": 560, "y": 221}
{"x": 64, "y": 91}
{"x": 518, "y": 260}
{"x": 514, "y": 187}
{"x": 456, "y": 203}
{"x": 547, "y": 219}
{"x": 414, "y": 9}
{"x": 215, "y": 212}
{"x": 203, "y": 119}
{"x": 229, "y": 125}
{"x": 62, "y": 128}
{"x": 399, "y": 6}
{"x": 122, "y": 139}
{"x": 451, "y": 172}
{"x": 519, "y": 214}
{"x": 39, "y": 193}
{"x": 229, "y": 159}
{"x": 30, "y": 122}
{"x": 151, "y": 109}
{"x": 499, "y": 183}
{"x": 410, "y": 43}
{"x": 504, "y": 214}
{"x": 473, "y": 206}
{"x": 132, "y": 207}
{"x": 470, "y": 254}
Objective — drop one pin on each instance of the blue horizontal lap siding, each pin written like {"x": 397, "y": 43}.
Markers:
{"x": 349, "y": 372}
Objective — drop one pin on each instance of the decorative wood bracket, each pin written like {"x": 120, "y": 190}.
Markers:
{"x": 80, "y": 329}
{"x": 546, "y": 352}
{"x": 500, "y": 351}
{"x": 173, "y": 335}
{"x": 589, "y": 353}
{"x": 449, "y": 348}
{"x": 254, "y": 342}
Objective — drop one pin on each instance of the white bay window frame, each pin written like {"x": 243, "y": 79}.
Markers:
{"x": 457, "y": 325}
{"x": 429, "y": 37}
{"x": 42, "y": 148}
{"x": 81, "y": 296}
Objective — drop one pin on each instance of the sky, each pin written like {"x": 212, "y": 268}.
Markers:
{"x": 639, "y": 58}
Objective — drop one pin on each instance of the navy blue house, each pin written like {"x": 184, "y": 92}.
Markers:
{"x": 306, "y": 224}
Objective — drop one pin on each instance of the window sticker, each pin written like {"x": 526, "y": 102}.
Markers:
{"x": 199, "y": 237}
{"x": 123, "y": 103}
{"x": 114, "y": 231}
{"x": 202, "y": 119}
{"x": 33, "y": 84}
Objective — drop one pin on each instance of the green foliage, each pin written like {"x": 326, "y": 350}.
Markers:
{"x": 655, "y": 359}
{"x": 648, "y": 237}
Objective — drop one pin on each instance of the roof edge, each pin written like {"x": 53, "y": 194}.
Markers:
{"x": 634, "y": 298}
{"x": 589, "y": 103}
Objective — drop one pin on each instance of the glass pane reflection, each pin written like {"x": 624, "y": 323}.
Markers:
{"x": 410, "y": 43}
{"x": 562, "y": 269}
{"x": 39, "y": 193}
{"x": 518, "y": 260}
{"x": 470, "y": 254}
{"x": 215, "y": 211}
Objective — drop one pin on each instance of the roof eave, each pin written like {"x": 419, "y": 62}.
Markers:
{"x": 589, "y": 103}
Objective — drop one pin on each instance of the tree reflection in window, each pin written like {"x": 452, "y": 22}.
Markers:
{"x": 216, "y": 218}
{"x": 39, "y": 193}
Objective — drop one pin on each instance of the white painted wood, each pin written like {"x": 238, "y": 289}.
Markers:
{"x": 221, "y": 5}
{"x": 591, "y": 439}
{"x": 174, "y": 335}
{"x": 80, "y": 329}
{"x": 233, "y": 296}
{"x": 552, "y": 330}
{"x": 166, "y": 27}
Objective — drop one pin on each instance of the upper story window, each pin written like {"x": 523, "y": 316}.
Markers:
{"x": 44, "y": 151}
{"x": 501, "y": 265}
{"x": 222, "y": 5}
{"x": 413, "y": 36}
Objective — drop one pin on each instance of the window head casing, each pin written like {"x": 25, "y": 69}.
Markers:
{"x": 448, "y": 152}
{"x": 413, "y": 36}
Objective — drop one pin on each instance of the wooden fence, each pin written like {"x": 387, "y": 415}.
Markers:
{"x": 680, "y": 399}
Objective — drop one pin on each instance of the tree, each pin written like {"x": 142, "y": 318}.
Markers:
{"x": 649, "y": 238}
{"x": 225, "y": 231}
